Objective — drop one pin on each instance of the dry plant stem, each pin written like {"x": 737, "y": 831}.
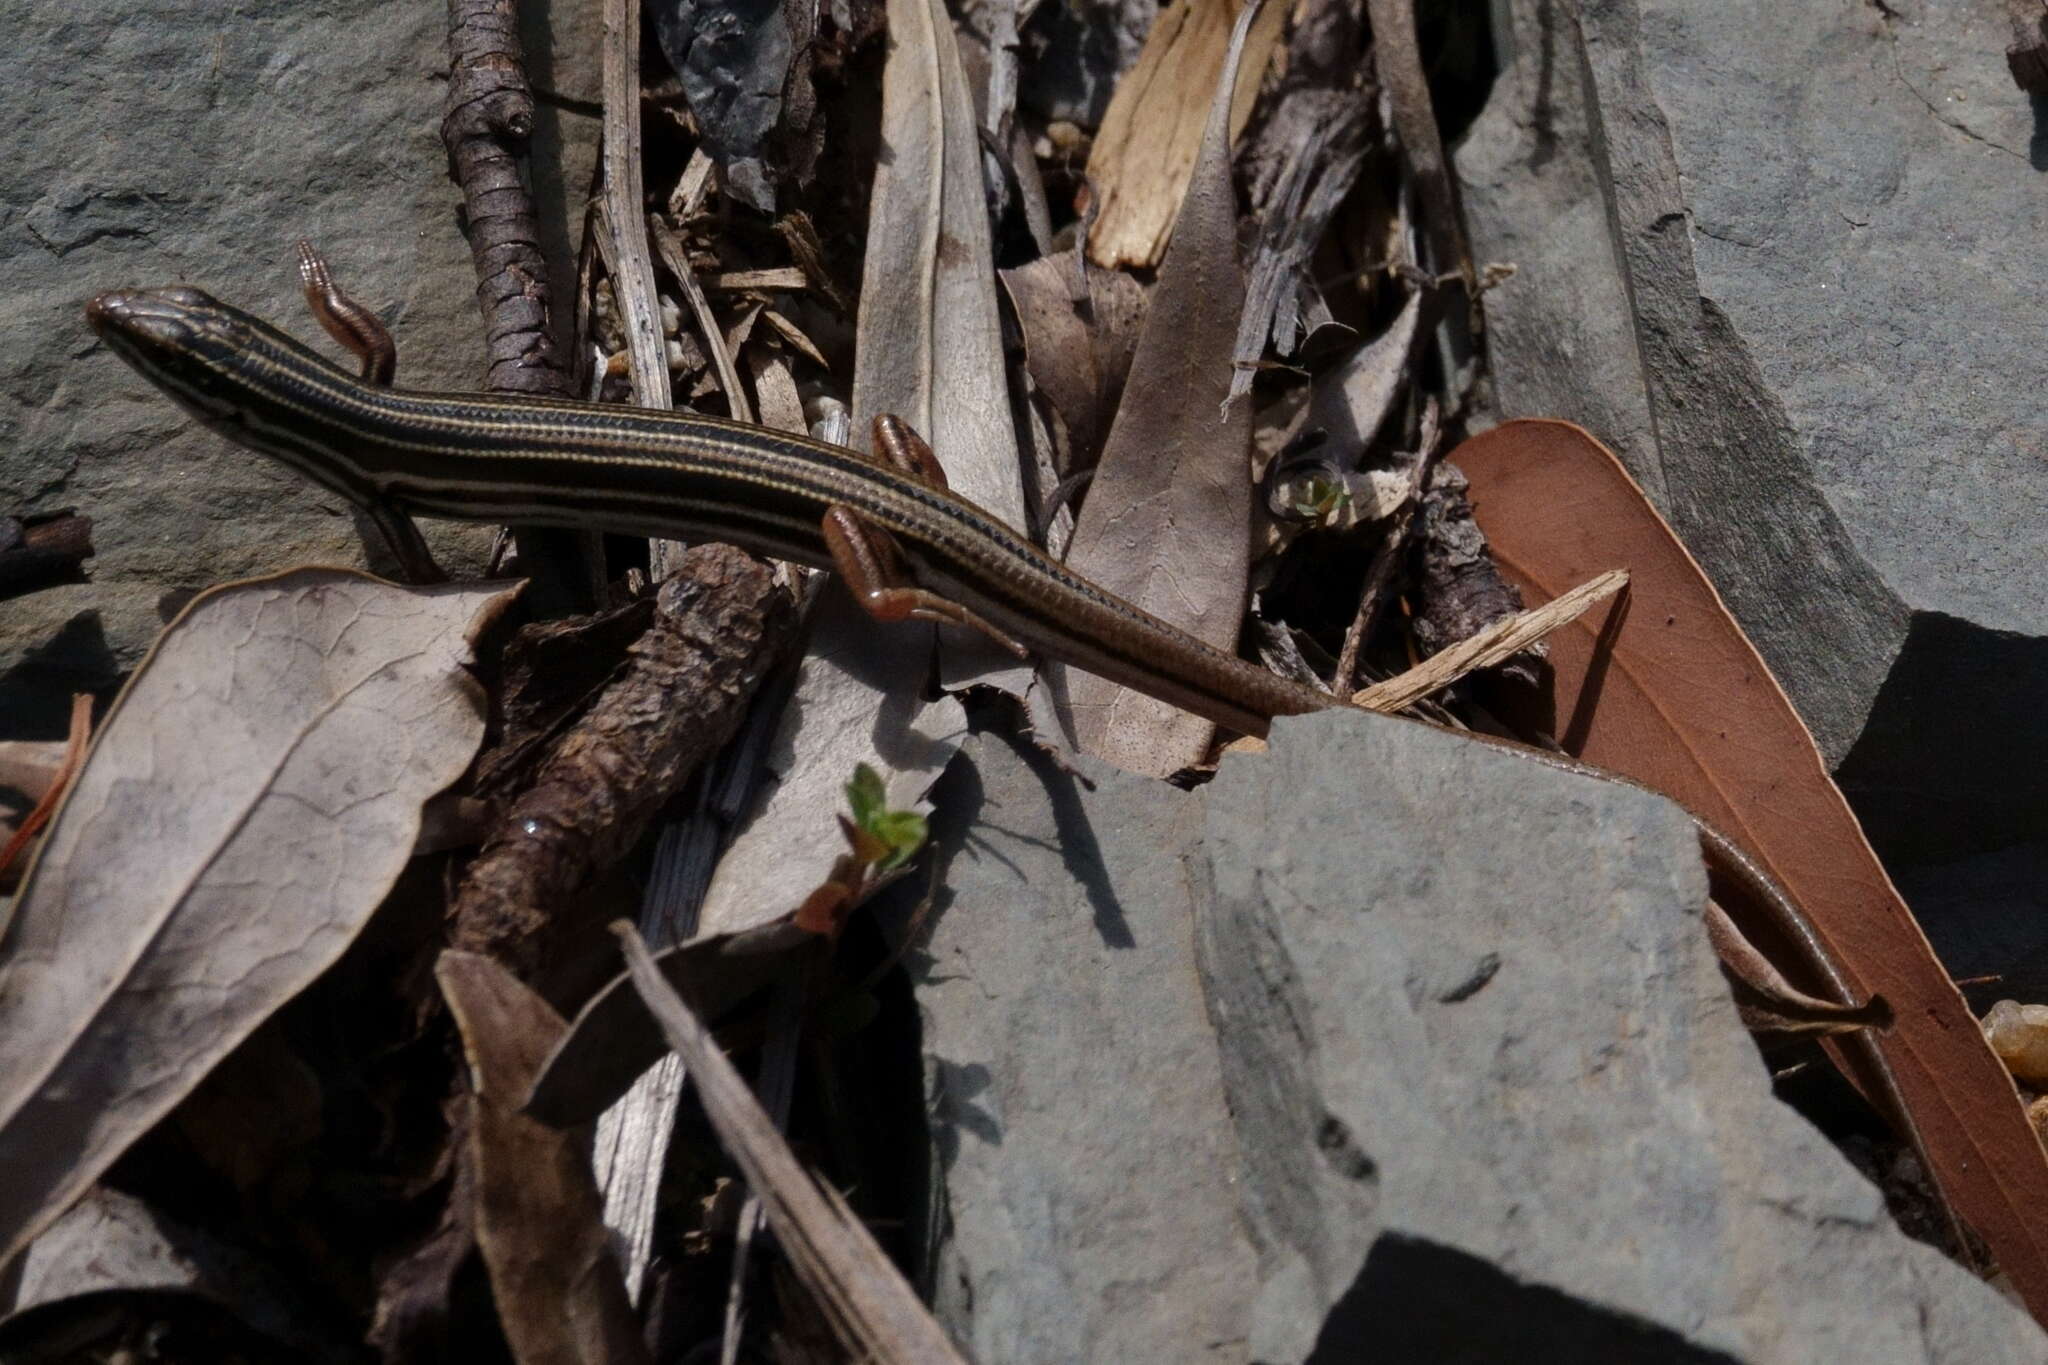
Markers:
{"x": 678, "y": 262}
{"x": 1373, "y": 595}
{"x": 720, "y": 624}
{"x": 1503, "y": 639}
{"x": 632, "y": 266}
{"x": 489, "y": 118}
{"x": 30, "y": 766}
{"x": 1397, "y": 56}
{"x": 875, "y": 1311}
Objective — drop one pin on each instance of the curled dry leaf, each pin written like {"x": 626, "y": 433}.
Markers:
{"x": 1673, "y": 695}
{"x": 112, "y": 1243}
{"x": 558, "y": 1291}
{"x": 250, "y": 798}
{"x": 1167, "y": 524}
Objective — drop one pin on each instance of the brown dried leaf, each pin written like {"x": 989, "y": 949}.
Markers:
{"x": 1152, "y": 134}
{"x": 1078, "y": 361}
{"x": 1673, "y": 695}
{"x": 1167, "y": 524}
{"x": 250, "y": 798}
{"x": 538, "y": 1224}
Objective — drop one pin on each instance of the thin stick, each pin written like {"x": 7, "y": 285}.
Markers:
{"x": 678, "y": 263}
{"x": 830, "y": 1248}
{"x": 631, "y": 265}
{"x": 485, "y": 129}
{"x": 1508, "y": 636}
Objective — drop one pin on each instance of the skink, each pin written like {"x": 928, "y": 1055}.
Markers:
{"x": 909, "y": 548}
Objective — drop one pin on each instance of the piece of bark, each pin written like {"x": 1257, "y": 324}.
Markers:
{"x": 488, "y": 121}
{"x": 2027, "y": 56}
{"x": 1145, "y": 151}
{"x": 1300, "y": 158}
{"x": 1459, "y": 592}
{"x": 39, "y": 551}
{"x": 721, "y": 622}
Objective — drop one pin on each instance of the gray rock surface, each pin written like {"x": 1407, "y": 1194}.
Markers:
{"x": 1085, "y": 1154}
{"x": 1468, "y": 1087}
{"x": 1779, "y": 256}
{"x": 179, "y": 143}
{"x": 1492, "y": 1096}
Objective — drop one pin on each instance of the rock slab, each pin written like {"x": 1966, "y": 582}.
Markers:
{"x": 1779, "y": 257}
{"x": 1077, "y": 1106}
{"x": 1384, "y": 1046}
{"x": 1491, "y": 1092}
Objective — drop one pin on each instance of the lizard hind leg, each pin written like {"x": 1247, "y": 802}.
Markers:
{"x": 872, "y": 565}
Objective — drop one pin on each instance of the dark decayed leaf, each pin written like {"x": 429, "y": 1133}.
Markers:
{"x": 538, "y": 1224}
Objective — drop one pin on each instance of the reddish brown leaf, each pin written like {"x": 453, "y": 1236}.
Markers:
{"x": 1664, "y": 688}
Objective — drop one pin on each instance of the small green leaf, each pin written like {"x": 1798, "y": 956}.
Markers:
{"x": 866, "y": 796}
{"x": 900, "y": 832}
{"x": 904, "y": 831}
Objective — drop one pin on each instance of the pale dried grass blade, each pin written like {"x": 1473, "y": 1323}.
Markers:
{"x": 678, "y": 263}
{"x": 876, "y": 1312}
{"x": 1498, "y": 642}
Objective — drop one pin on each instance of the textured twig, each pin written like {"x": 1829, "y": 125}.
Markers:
{"x": 1496, "y": 644}
{"x": 36, "y": 552}
{"x": 720, "y": 622}
{"x": 488, "y": 121}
